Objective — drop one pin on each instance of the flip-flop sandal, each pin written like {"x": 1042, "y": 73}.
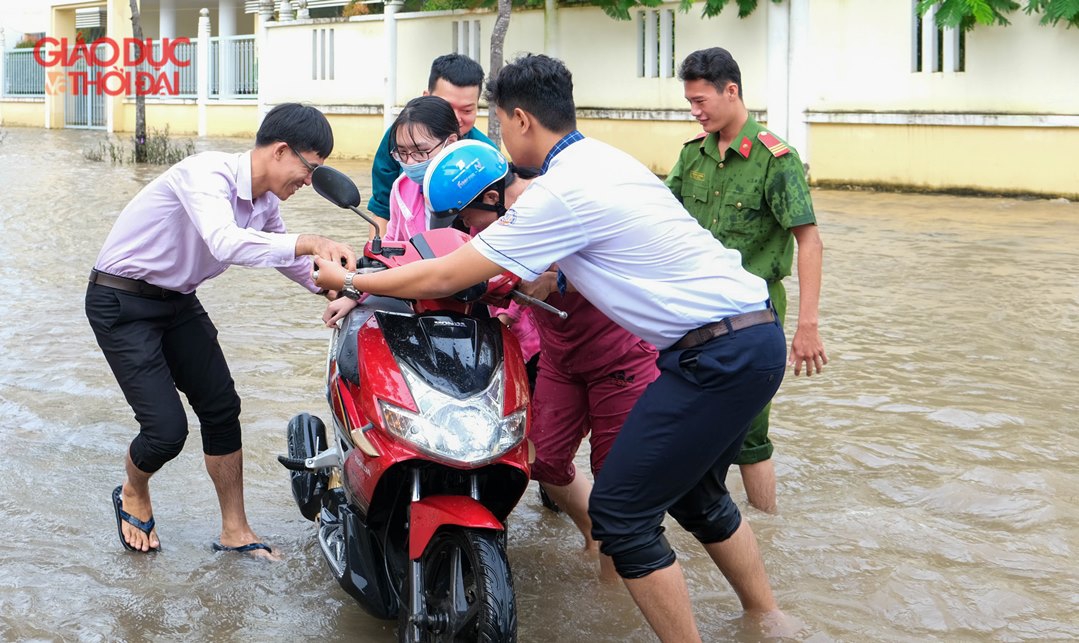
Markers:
{"x": 242, "y": 549}
{"x": 122, "y": 517}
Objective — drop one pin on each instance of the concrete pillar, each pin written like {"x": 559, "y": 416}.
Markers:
{"x": 3, "y": 77}
{"x": 166, "y": 28}
{"x": 666, "y": 40}
{"x": 391, "y": 7}
{"x": 550, "y": 28}
{"x": 651, "y": 43}
{"x": 800, "y": 75}
{"x": 166, "y": 19}
{"x": 284, "y": 14}
{"x": 226, "y": 28}
{"x": 118, "y": 26}
{"x": 777, "y": 92}
{"x": 265, "y": 17}
{"x": 929, "y": 40}
{"x": 951, "y": 50}
{"x": 203, "y": 67}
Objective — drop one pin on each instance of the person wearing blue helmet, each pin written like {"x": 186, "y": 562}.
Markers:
{"x": 461, "y": 174}
{"x": 412, "y": 210}
{"x": 629, "y": 247}
{"x": 469, "y": 176}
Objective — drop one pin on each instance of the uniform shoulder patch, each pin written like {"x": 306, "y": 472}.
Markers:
{"x": 777, "y": 147}
{"x": 696, "y": 138}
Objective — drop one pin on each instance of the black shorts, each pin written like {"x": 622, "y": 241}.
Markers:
{"x": 154, "y": 347}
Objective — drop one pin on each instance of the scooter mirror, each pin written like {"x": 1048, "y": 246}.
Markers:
{"x": 335, "y": 187}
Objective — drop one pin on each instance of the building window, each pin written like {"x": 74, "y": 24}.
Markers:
{"x": 934, "y": 49}
{"x": 655, "y": 43}
{"x": 322, "y": 66}
{"x": 466, "y": 38}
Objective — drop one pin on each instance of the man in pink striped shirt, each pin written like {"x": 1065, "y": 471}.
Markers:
{"x": 204, "y": 214}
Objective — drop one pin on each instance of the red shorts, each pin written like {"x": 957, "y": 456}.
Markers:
{"x": 568, "y": 406}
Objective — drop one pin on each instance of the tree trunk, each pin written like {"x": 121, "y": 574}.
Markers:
{"x": 140, "y": 99}
{"x": 498, "y": 40}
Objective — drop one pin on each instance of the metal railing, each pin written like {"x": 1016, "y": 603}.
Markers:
{"x": 237, "y": 77}
{"x": 233, "y": 75}
{"x": 23, "y": 76}
{"x": 170, "y": 80}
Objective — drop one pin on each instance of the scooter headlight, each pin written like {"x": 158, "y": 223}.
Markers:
{"x": 470, "y": 431}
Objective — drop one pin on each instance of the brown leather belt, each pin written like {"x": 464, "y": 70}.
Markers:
{"x": 698, "y": 336}
{"x": 134, "y": 286}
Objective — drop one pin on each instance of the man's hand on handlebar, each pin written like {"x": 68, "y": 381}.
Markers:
{"x": 543, "y": 286}
{"x": 328, "y": 249}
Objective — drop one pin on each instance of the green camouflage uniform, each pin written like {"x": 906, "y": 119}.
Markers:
{"x": 749, "y": 199}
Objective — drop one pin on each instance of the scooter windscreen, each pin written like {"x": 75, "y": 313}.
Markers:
{"x": 455, "y": 354}
{"x": 453, "y": 366}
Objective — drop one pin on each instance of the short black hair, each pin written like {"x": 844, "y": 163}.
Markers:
{"x": 303, "y": 127}
{"x": 715, "y": 65}
{"x": 434, "y": 113}
{"x": 539, "y": 85}
{"x": 456, "y": 70}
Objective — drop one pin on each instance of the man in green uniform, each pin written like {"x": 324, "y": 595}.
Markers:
{"x": 749, "y": 189}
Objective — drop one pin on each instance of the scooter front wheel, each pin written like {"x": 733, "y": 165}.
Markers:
{"x": 468, "y": 591}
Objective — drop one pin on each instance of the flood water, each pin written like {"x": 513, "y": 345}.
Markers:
{"x": 927, "y": 480}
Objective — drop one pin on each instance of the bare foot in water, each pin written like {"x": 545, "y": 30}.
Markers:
{"x": 772, "y": 626}
{"x": 606, "y": 572}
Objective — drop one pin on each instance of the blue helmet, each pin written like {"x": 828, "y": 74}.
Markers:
{"x": 460, "y": 173}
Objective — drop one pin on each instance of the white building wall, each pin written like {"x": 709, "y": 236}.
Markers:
{"x": 860, "y": 54}
{"x": 301, "y": 68}
{"x": 600, "y": 51}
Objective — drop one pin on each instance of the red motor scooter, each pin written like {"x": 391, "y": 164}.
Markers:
{"x": 427, "y": 454}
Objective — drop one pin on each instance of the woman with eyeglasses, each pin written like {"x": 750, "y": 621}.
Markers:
{"x": 422, "y": 129}
{"x": 425, "y": 126}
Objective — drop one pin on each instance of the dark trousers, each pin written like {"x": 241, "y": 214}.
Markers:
{"x": 154, "y": 347}
{"x": 674, "y": 450}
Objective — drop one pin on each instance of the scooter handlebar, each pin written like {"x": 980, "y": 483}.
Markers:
{"x": 503, "y": 287}
{"x": 532, "y": 301}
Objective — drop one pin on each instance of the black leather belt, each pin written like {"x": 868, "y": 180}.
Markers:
{"x": 698, "y": 336}
{"x": 134, "y": 286}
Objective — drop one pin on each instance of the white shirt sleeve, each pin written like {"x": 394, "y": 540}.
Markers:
{"x": 207, "y": 200}
{"x": 540, "y": 229}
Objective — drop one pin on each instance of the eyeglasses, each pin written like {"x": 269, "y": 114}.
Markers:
{"x": 310, "y": 167}
{"x": 418, "y": 156}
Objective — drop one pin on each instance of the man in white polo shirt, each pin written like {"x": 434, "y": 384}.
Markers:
{"x": 623, "y": 240}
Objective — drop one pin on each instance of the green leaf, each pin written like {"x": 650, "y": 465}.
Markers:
{"x": 746, "y": 7}
{"x": 965, "y": 14}
{"x": 712, "y": 8}
{"x": 1055, "y": 11}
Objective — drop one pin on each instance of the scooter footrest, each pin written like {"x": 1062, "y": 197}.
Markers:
{"x": 293, "y": 464}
